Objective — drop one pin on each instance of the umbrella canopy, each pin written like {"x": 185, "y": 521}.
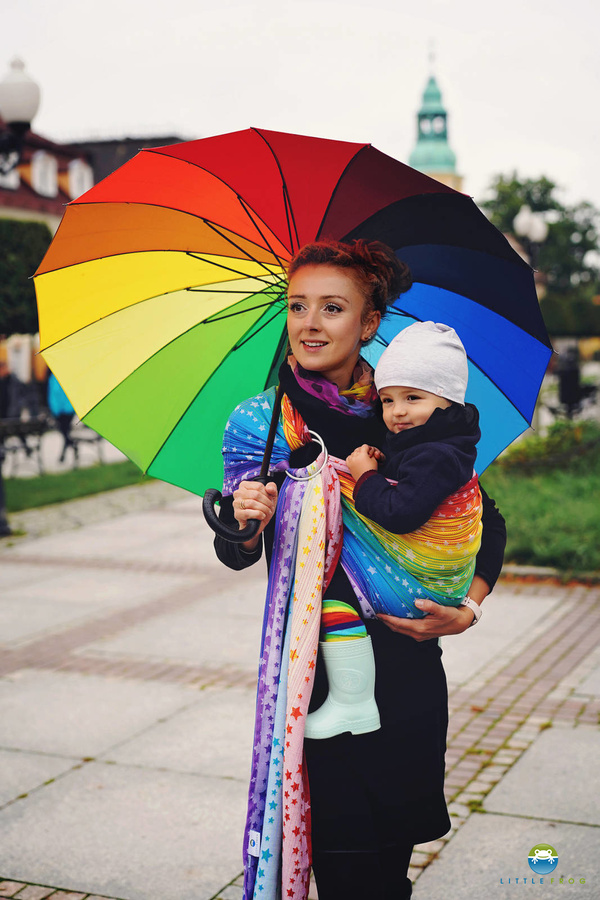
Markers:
{"x": 162, "y": 297}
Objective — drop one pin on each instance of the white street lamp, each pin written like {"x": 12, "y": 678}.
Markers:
{"x": 534, "y": 228}
{"x": 19, "y": 102}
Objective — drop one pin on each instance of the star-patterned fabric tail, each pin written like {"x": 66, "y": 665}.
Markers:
{"x": 268, "y": 867}
{"x": 306, "y": 621}
{"x": 270, "y": 681}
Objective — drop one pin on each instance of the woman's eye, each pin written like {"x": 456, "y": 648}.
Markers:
{"x": 294, "y": 306}
{"x": 333, "y": 308}
{"x": 386, "y": 400}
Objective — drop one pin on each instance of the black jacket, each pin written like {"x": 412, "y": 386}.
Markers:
{"x": 429, "y": 462}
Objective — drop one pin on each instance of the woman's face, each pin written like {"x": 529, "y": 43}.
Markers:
{"x": 326, "y": 321}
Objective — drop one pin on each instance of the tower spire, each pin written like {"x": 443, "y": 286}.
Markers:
{"x": 432, "y": 153}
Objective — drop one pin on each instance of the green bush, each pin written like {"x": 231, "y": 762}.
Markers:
{"x": 566, "y": 442}
{"x": 22, "y": 247}
{"x": 547, "y": 489}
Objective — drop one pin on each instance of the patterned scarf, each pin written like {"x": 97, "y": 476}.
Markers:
{"x": 316, "y": 526}
{"x": 355, "y": 401}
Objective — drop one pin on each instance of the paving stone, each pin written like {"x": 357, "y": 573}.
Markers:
{"x": 502, "y": 845}
{"x": 553, "y": 778}
{"x": 121, "y": 831}
{"x": 211, "y": 737}
{"x": 68, "y": 895}
{"x": 70, "y": 597}
{"x": 35, "y": 892}
{"x": 466, "y": 654}
{"x": 10, "y": 888}
{"x": 23, "y": 772}
{"x": 231, "y": 892}
{"x": 79, "y": 716}
{"x": 219, "y": 630}
{"x": 95, "y": 897}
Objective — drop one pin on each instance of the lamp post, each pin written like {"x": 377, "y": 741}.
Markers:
{"x": 19, "y": 102}
{"x": 533, "y": 227}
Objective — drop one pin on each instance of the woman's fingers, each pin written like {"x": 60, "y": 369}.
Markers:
{"x": 439, "y": 621}
{"x": 253, "y": 500}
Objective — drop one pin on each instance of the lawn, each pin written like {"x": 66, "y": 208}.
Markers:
{"x": 27, "y": 493}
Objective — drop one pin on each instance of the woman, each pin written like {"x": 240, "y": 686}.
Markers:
{"x": 372, "y": 796}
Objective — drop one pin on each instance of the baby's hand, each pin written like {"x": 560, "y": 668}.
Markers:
{"x": 364, "y": 459}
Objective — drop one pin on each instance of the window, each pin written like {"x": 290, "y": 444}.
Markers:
{"x": 81, "y": 178}
{"x": 44, "y": 171}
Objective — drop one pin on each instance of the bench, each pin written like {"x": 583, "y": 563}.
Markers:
{"x": 23, "y": 436}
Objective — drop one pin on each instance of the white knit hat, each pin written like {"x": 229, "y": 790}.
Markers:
{"x": 427, "y": 356}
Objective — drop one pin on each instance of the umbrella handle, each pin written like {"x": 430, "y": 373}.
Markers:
{"x": 212, "y": 496}
{"x": 228, "y": 532}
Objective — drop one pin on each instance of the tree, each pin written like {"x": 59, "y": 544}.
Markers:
{"x": 22, "y": 246}
{"x": 568, "y": 258}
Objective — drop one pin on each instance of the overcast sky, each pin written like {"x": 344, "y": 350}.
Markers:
{"x": 520, "y": 78}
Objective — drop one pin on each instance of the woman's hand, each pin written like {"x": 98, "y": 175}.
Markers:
{"x": 439, "y": 621}
{"x": 364, "y": 459}
{"x": 253, "y": 500}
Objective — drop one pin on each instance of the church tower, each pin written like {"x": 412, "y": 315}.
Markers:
{"x": 432, "y": 153}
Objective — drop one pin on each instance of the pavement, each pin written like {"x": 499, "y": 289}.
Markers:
{"x": 128, "y": 660}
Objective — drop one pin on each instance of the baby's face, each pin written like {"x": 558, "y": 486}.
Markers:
{"x": 406, "y": 407}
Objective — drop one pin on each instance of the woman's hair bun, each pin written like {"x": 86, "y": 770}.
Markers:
{"x": 393, "y": 274}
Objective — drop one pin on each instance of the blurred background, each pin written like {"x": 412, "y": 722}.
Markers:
{"x": 498, "y": 102}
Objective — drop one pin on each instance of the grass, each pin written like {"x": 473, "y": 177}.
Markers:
{"x": 551, "y": 509}
{"x": 29, "y": 493}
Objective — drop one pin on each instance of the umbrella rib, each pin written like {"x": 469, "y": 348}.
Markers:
{"x": 160, "y": 349}
{"x": 116, "y": 312}
{"x": 249, "y": 337}
{"x": 335, "y": 190}
{"x": 287, "y": 203}
{"x": 211, "y": 262}
{"x": 235, "y": 347}
{"x": 239, "y": 312}
{"x": 157, "y": 151}
{"x": 259, "y": 262}
{"x": 246, "y": 209}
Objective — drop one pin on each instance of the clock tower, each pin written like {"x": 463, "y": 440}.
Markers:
{"x": 432, "y": 153}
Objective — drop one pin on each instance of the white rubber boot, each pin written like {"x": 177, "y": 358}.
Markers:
{"x": 350, "y": 705}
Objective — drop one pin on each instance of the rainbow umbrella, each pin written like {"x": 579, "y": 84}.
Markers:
{"x": 162, "y": 296}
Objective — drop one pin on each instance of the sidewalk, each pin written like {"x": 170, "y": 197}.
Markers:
{"x": 127, "y": 680}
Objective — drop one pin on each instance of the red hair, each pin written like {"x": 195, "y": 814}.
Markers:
{"x": 379, "y": 272}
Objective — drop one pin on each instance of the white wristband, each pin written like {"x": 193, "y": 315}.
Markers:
{"x": 475, "y": 609}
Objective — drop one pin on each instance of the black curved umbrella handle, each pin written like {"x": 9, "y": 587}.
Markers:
{"x": 212, "y": 496}
{"x": 228, "y": 532}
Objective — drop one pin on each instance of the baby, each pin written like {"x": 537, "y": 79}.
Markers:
{"x": 430, "y": 450}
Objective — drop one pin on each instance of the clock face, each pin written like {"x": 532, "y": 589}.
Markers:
{"x": 439, "y": 124}
{"x": 425, "y": 126}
